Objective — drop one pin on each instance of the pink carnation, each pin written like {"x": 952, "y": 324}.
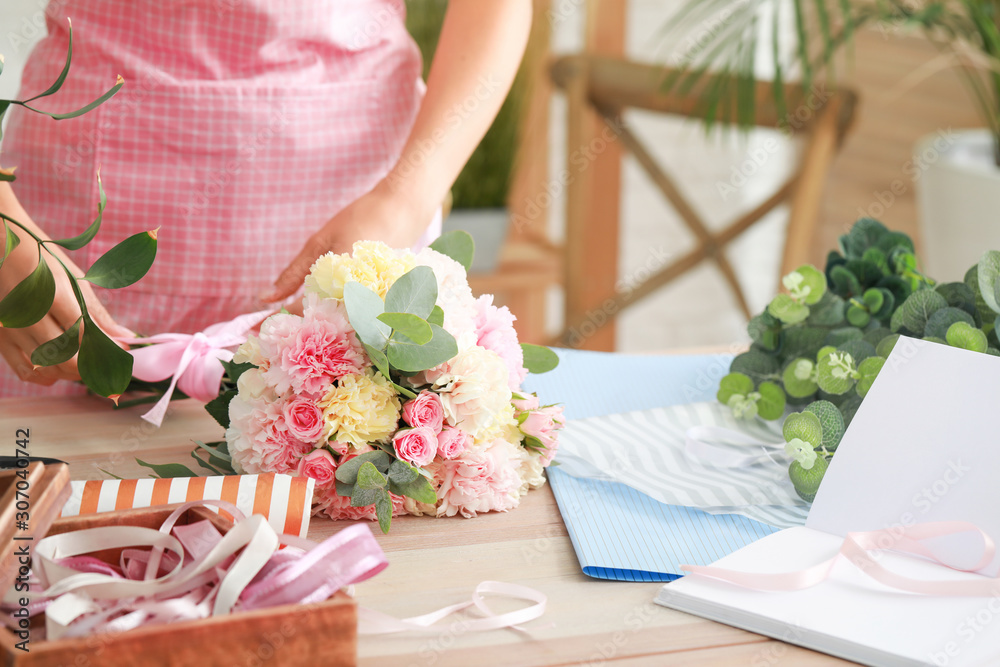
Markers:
{"x": 320, "y": 466}
{"x": 452, "y": 442}
{"x": 424, "y": 410}
{"x": 495, "y": 331}
{"x": 307, "y": 354}
{"x": 259, "y": 438}
{"x": 416, "y": 445}
{"x": 304, "y": 419}
{"x": 481, "y": 480}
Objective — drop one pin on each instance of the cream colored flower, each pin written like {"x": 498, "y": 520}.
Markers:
{"x": 249, "y": 352}
{"x": 372, "y": 263}
{"x": 473, "y": 390}
{"x": 361, "y": 409}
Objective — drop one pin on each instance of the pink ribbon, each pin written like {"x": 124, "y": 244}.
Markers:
{"x": 192, "y": 571}
{"x": 191, "y": 360}
{"x": 856, "y": 550}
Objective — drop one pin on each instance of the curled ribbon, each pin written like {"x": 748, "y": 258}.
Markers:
{"x": 856, "y": 550}
{"x": 191, "y": 571}
{"x": 191, "y": 360}
{"x": 716, "y": 446}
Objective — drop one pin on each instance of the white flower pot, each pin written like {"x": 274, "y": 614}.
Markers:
{"x": 958, "y": 197}
{"x": 488, "y": 227}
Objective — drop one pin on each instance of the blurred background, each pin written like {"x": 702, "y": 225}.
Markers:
{"x": 569, "y": 224}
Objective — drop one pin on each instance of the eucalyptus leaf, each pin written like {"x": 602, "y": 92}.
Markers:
{"x": 363, "y": 308}
{"x": 365, "y": 497}
{"x": 458, "y": 245}
{"x": 413, "y": 327}
{"x": 402, "y": 472}
{"x": 436, "y": 316}
{"x": 369, "y": 477}
{"x": 411, "y": 358}
{"x": 419, "y": 489}
{"x": 805, "y": 426}
{"x": 539, "y": 359}
{"x": 912, "y": 315}
{"x": 786, "y": 309}
{"x": 734, "y": 384}
{"x": 989, "y": 279}
{"x": 60, "y": 349}
{"x": 378, "y": 359}
{"x": 383, "y": 511}
{"x": 124, "y": 264}
{"x": 206, "y": 464}
{"x": 348, "y": 472}
{"x": 772, "y": 401}
{"x": 415, "y": 292}
{"x": 30, "y": 299}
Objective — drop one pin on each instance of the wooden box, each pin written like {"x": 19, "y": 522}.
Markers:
{"x": 317, "y": 634}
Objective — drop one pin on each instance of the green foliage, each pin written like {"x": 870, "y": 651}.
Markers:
{"x": 458, "y": 245}
{"x": 806, "y": 482}
{"x": 104, "y": 367}
{"x": 539, "y": 359}
{"x": 835, "y": 351}
{"x": 369, "y": 478}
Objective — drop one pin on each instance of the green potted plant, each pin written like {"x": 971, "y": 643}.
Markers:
{"x": 479, "y": 196}
{"x": 959, "y": 182}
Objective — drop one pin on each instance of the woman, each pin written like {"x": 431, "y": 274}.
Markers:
{"x": 255, "y": 134}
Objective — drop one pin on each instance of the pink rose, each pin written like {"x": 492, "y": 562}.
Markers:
{"x": 525, "y": 403}
{"x": 544, "y": 425}
{"x": 416, "y": 445}
{"x": 424, "y": 410}
{"x": 451, "y": 442}
{"x": 320, "y": 466}
{"x": 304, "y": 419}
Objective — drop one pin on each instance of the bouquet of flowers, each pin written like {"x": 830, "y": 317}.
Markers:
{"x": 396, "y": 390}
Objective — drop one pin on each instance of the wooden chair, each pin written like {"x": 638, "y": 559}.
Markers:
{"x": 609, "y": 85}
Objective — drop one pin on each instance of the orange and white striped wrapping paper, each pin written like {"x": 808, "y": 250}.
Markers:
{"x": 286, "y": 501}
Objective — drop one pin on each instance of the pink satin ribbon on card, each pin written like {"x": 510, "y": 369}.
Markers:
{"x": 857, "y": 548}
{"x": 192, "y": 360}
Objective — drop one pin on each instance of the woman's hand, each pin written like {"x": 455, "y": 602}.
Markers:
{"x": 16, "y": 345}
{"x": 381, "y": 215}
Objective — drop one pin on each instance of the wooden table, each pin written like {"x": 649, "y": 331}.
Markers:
{"x": 434, "y": 562}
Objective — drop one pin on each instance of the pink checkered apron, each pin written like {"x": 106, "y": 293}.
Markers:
{"x": 244, "y": 126}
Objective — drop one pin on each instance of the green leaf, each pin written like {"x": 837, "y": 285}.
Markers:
{"x": 84, "y": 109}
{"x": 734, "y": 384}
{"x": 798, "y": 378}
{"x": 383, "y": 510}
{"x": 365, "y": 497}
{"x": 772, "y": 401}
{"x": 30, "y": 299}
{"x": 845, "y": 283}
{"x": 363, "y": 308}
{"x": 884, "y": 348}
{"x": 219, "y": 454}
{"x": 234, "y": 370}
{"x": 989, "y": 279}
{"x": 436, "y": 316}
{"x": 834, "y": 373}
{"x": 369, "y": 477}
{"x": 804, "y": 426}
{"x": 831, "y": 421}
{"x": 205, "y": 464}
{"x": 60, "y": 349}
{"x": 912, "y": 315}
{"x": 873, "y": 299}
{"x": 539, "y": 359}
{"x": 218, "y": 407}
{"x": 939, "y": 322}
{"x": 125, "y": 263}
{"x": 829, "y": 312}
{"x": 756, "y": 364}
{"x": 412, "y": 326}
{"x": 411, "y": 358}
{"x": 858, "y": 348}
{"x": 787, "y": 309}
{"x": 87, "y": 236}
{"x": 348, "y": 472}
{"x": 868, "y": 370}
{"x": 405, "y": 480}
{"x": 61, "y": 79}
{"x": 815, "y": 281}
{"x": 806, "y": 482}
{"x": 110, "y": 474}
{"x": 414, "y": 292}
{"x": 959, "y": 295}
{"x": 765, "y": 330}
{"x": 966, "y": 336}
{"x": 378, "y": 359}
{"x": 458, "y": 245}
{"x": 104, "y": 367}
{"x": 858, "y": 317}
{"x": 166, "y": 470}
{"x": 11, "y": 241}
